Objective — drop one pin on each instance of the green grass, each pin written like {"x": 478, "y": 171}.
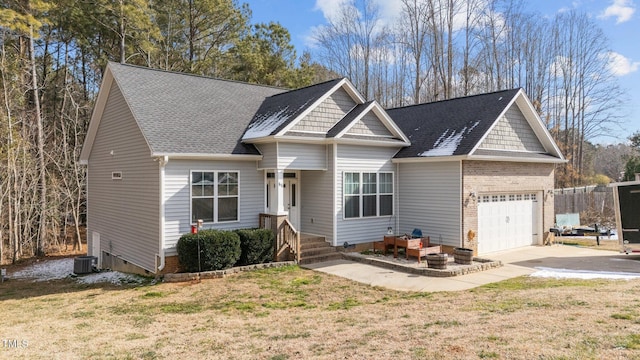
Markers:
{"x": 443, "y": 324}
{"x": 346, "y": 304}
{"x": 152, "y": 294}
{"x": 482, "y": 354}
{"x": 83, "y": 314}
{"x": 135, "y": 336}
{"x": 181, "y": 308}
{"x": 132, "y": 309}
{"x": 629, "y": 342}
{"x": 235, "y": 305}
{"x": 302, "y": 335}
{"x": 528, "y": 283}
{"x": 622, "y": 316}
{"x": 279, "y": 357}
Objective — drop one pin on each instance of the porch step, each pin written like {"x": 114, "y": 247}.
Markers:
{"x": 314, "y": 249}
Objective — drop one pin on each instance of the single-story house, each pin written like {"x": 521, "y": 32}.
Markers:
{"x": 165, "y": 149}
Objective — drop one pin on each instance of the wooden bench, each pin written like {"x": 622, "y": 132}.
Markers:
{"x": 415, "y": 250}
{"x": 381, "y": 246}
{"x": 419, "y": 253}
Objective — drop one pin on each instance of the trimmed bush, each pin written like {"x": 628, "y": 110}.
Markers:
{"x": 218, "y": 250}
{"x": 256, "y": 246}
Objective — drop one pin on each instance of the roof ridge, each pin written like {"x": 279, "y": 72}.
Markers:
{"x": 307, "y": 87}
{"x": 452, "y": 99}
{"x": 112, "y": 63}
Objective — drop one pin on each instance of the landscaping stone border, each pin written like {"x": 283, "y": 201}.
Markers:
{"x": 453, "y": 269}
{"x": 218, "y": 274}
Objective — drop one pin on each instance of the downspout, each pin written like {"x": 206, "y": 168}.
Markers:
{"x": 396, "y": 198}
{"x": 162, "y": 162}
{"x": 335, "y": 190}
{"x": 462, "y": 221}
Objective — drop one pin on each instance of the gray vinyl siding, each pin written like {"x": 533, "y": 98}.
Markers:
{"x": 326, "y": 114}
{"x": 368, "y": 159}
{"x": 369, "y": 125}
{"x": 316, "y": 213}
{"x": 429, "y": 199}
{"x": 125, "y": 212}
{"x": 178, "y": 202}
{"x": 269, "y": 155}
{"x": 293, "y": 156}
{"x": 513, "y": 132}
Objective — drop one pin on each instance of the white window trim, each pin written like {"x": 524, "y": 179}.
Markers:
{"x": 215, "y": 196}
{"x": 361, "y": 194}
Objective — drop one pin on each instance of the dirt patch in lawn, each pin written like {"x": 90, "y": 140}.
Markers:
{"x": 292, "y": 313}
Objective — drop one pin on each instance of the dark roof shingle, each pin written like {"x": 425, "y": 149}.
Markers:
{"x": 449, "y": 127}
{"x": 189, "y": 114}
{"x": 279, "y": 110}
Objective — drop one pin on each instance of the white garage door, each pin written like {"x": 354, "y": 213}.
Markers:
{"x": 506, "y": 221}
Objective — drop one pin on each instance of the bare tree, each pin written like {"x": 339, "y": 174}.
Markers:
{"x": 349, "y": 42}
{"x": 413, "y": 34}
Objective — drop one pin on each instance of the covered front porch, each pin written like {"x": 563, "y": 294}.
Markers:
{"x": 292, "y": 244}
{"x": 301, "y": 229}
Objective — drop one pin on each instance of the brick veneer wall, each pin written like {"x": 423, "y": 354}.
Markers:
{"x": 483, "y": 177}
{"x": 171, "y": 265}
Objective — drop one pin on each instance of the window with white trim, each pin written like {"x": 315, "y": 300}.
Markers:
{"x": 214, "y": 196}
{"x": 367, "y": 194}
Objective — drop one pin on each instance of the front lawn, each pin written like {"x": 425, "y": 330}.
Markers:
{"x": 291, "y": 313}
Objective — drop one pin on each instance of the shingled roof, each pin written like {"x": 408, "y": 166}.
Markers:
{"x": 279, "y": 110}
{"x": 189, "y": 114}
{"x": 449, "y": 127}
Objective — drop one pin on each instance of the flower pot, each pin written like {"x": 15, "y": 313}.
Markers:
{"x": 437, "y": 260}
{"x": 463, "y": 256}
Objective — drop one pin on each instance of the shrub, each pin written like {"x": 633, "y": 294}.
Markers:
{"x": 256, "y": 246}
{"x": 218, "y": 250}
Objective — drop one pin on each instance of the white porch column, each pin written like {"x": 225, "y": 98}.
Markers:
{"x": 279, "y": 195}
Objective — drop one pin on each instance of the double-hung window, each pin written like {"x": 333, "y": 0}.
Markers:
{"x": 214, "y": 196}
{"x": 368, "y": 194}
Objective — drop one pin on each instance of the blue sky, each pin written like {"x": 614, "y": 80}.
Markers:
{"x": 618, "y": 18}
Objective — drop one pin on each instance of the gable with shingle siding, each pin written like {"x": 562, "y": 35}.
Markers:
{"x": 326, "y": 114}
{"x": 513, "y": 133}
{"x": 370, "y": 125}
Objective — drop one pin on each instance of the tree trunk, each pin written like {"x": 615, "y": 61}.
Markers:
{"x": 42, "y": 229}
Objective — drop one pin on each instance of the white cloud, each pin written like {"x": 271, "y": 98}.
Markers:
{"x": 620, "y": 65}
{"x": 330, "y": 8}
{"x": 388, "y": 9}
{"x": 622, "y": 10}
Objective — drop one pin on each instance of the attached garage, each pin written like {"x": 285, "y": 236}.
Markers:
{"x": 479, "y": 172}
{"x": 507, "y": 221}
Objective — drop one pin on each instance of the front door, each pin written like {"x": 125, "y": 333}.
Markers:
{"x": 291, "y": 197}
{"x": 291, "y": 201}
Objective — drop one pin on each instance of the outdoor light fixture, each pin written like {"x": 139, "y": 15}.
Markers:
{"x": 472, "y": 194}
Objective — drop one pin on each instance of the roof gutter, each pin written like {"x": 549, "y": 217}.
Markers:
{"x": 187, "y": 156}
{"x": 419, "y": 159}
{"x": 478, "y": 158}
{"x": 517, "y": 159}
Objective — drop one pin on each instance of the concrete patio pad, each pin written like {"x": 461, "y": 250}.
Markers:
{"x": 518, "y": 262}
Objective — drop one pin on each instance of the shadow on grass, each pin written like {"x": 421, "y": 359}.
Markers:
{"x": 23, "y": 288}
{"x": 27, "y": 288}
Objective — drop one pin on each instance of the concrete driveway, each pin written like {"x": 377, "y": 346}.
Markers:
{"x": 518, "y": 262}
